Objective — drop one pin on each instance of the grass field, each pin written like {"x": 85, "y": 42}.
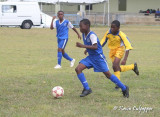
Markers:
{"x": 27, "y": 75}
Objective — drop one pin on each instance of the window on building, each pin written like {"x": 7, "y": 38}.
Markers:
{"x": 122, "y": 5}
{"x": 88, "y": 7}
{"x": 78, "y": 7}
{"x": 9, "y": 9}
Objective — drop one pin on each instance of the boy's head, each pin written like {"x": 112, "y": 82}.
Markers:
{"x": 115, "y": 26}
{"x": 60, "y": 15}
{"x": 84, "y": 25}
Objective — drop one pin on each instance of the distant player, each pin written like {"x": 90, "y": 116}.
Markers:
{"x": 118, "y": 43}
{"x": 62, "y": 25}
{"x": 95, "y": 60}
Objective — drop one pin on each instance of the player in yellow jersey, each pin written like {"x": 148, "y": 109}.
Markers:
{"x": 119, "y": 44}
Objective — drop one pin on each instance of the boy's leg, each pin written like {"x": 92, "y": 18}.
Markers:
{"x": 83, "y": 80}
{"x": 116, "y": 55}
{"x": 61, "y": 45}
{"x": 65, "y": 55}
{"x": 125, "y": 68}
{"x": 59, "y": 56}
{"x": 115, "y": 80}
{"x": 116, "y": 67}
{"x": 133, "y": 67}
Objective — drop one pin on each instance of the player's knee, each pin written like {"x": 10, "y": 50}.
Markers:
{"x": 108, "y": 74}
{"x": 78, "y": 70}
{"x": 115, "y": 67}
{"x": 59, "y": 49}
{"x": 63, "y": 52}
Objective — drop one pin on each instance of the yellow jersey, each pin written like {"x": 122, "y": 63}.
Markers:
{"x": 115, "y": 41}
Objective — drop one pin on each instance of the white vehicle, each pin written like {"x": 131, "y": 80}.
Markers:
{"x": 23, "y": 14}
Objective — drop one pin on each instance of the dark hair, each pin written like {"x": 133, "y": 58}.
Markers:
{"x": 60, "y": 11}
{"x": 116, "y": 22}
{"x": 86, "y": 22}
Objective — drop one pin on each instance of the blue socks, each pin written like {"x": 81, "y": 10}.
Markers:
{"x": 114, "y": 79}
{"x": 83, "y": 81}
{"x": 67, "y": 57}
{"x": 59, "y": 57}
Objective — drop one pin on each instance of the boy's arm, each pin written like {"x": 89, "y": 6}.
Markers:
{"x": 93, "y": 47}
{"x": 51, "y": 26}
{"x": 70, "y": 25}
{"x": 85, "y": 52}
{"x": 126, "y": 42}
{"x": 93, "y": 39}
{"x": 79, "y": 36}
{"x": 128, "y": 47}
{"x": 104, "y": 39}
{"x": 125, "y": 57}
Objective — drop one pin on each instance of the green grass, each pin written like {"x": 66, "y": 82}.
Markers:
{"x": 27, "y": 58}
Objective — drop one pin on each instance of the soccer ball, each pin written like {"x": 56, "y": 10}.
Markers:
{"x": 57, "y": 92}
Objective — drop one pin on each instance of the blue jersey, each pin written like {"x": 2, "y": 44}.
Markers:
{"x": 62, "y": 29}
{"x": 87, "y": 41}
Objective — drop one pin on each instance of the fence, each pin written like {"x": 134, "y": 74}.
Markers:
{"x": 95, "y": 19}
{"x": 100, "y": 19}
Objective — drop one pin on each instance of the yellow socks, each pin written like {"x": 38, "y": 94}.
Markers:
{"x": 123, "y": 69}
{"x": 126, "y": 67}
{"x": 117, "y": 73}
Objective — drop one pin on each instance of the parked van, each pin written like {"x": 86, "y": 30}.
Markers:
{"x": 23, "y": 14}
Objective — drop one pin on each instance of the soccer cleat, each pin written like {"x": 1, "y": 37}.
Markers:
{"x": 85, "y": 92}
{"x": 117, "y": 87}
{"x": 72, "y": 63}
{"x": 57, "y": 66}
{"x": 136, "y": 69}
{"x": 126, "y": 92}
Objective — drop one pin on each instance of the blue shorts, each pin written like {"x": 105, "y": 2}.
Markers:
{"x": 62, "y": 43}
{"x": 98, "y": 62}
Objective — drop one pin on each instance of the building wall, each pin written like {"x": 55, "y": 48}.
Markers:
{"x": 69, "y": 8}
{"x": 49, "y": 8}
{"x": 133, "y": 6}
{"x": 142, "y": 5}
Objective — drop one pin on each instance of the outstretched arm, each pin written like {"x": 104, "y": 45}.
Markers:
{"x": 104, "y": 39}
{"x": 51, "y": 26}
{"x": 93, "y": 47}
{"x": 79, "y": 36}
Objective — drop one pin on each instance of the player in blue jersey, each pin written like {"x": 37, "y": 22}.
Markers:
{"x": 62, "y": 25}
{"x": 95, "y": 60}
